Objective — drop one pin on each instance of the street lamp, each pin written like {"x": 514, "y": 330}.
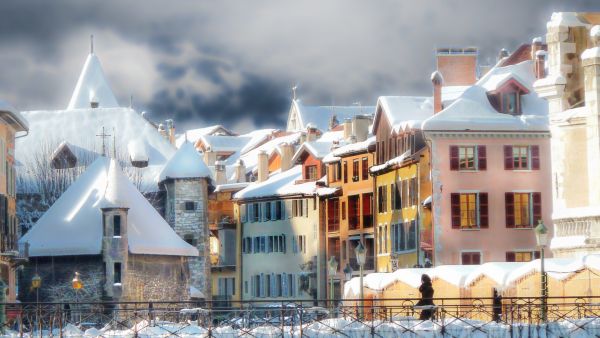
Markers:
{"x": 36, "y": 283}
{"x": 77, "y": 285}
{"x": 332, "y": 266}
{"x": 541, "y": 236}
{"x": 348, "y": 272}
{"x": 361, "y": 253}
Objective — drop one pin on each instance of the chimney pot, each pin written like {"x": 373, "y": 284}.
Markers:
{"x": 263, "y": 166}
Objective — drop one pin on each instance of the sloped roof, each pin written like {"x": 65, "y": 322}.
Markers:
{"x": 193, "y": 135}
{"x": 92, "y": 86}
{"x": 473, "y": 110}
{"x": 278, "y": 184}
{"x": 73, "y": 224}
{"x": 79, "y": 127}
{"x": 13, "y": 117}
{"x": 319, "y": 116}
{"x": 403, "y": 112}
{"x": 186, "y": 163}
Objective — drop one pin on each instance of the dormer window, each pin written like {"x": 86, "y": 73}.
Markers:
{"x": 505, "y": 93}
{"x": 63, "y": 157}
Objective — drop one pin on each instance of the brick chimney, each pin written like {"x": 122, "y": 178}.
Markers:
{"x": 360, "y": 127}
{"x": 263, "y": 166}
{"x": 287, "y": 152}
{"x": 220, "y": 174}
{"x": 540, "y": 64}
{"x": 438, "y": 81}
{"x": 311, "y": 133}
{"x": 458, "y": 66}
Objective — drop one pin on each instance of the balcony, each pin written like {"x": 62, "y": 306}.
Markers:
{"x": 333, "y": 225}
{"x": 353, "y": 222}
{"x": 367, "y": 221}
{"x": 16, "y": 256}
{"x": 369, "y": 263}
{"x": 579, "y": 232}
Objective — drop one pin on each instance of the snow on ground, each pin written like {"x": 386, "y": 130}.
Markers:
{"x": 346, "y": 327}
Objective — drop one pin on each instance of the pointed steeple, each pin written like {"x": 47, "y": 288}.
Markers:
{"x": 92, "y": 89}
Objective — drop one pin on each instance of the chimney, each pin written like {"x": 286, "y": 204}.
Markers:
{"x": 503, "y": 54}
{"x": 287, "y": 152}
{"x": 171, "y": 131}
{"x": 311, "y": 133}
{"x": 240, "y": 172}
{"x": 360, "y": 127}
{"x": 263, "y": 166}
{"x": 220, "y": 174}
{"x": 333, "y": 122}
{"x": 347, "y": 129}
{"x": 458, "y": 66}
{"x": 210, "y": 157}
{"x": 540, "y": 64}
{"x": 536, "y": 44}
{"x": 161, "y": 130}
{"x": 438, "y": 81}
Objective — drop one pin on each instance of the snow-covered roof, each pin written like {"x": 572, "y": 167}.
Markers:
{"x": 565, "y": 19}
{"x": 317, "y": 149}
{"x": 496, "y": 271}
{"x": 73, "y": 224}
{"x": 186, "y": 163}
{"x": 474, "y": 112}
{"x": 192, "y": 135}
{"x": 13, "y": 117}
{"x": 557, "y": 268}
{"x": 92, "y": 87}
{"x": 224, "y": 143}
{"x": 79, "y": 127}
{"x": 391, "y": 162}
{"x": 451, "y": 93}
{"x": 404, "y": 112}
{"x": 257, "y": 137}
{"x": 278, "y": 184}
{"x": 319, "y": 116}
{"x": 349, "y": 149}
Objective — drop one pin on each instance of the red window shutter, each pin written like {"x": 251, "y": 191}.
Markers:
{"x": 509, "y": 199}
{"x": 481, "y": 158}
{"x": 535, "y": 157}
{"x": 453, "y": 157}
{"x": 510, "y": 256}
{"x": 483, "y": 210}
{"x": 537, "y": 207}
{"x": 455, "y": 209}
{"x": 466, "y": 258}
{"x": 536, "y": 255}
{"x": 508, "y": 158}
{"x": 476, "y": 258}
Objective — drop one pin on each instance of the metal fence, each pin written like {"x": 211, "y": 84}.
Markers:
{"x": 459, "y": 317}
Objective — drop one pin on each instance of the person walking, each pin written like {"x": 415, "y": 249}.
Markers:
{"x": 426, "y": 290}
{"x": 497, "y": 306}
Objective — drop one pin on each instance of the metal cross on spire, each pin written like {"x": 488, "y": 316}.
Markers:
{"x": 294, "y": 88}
{"x": 103, "y": 135}
{"x": 91, "y": 43}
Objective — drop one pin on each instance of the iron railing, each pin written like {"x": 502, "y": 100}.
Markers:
{"x": 458, "y": 317}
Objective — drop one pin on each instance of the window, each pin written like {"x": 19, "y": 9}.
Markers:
{"x": 343, "y": 210}
{"x": 268, "y": 211}
{"x": 397, "y": 195}
{"x": 382, "y": 199}
{"x": 190, "y": 206}
{"x": 355, "y": 172}
{"x": 189, "y": 239}
{"x": 365, "y": 168}
{"x": 404, "y": 236}
{"x": 333, "y": 214}
{"x": 523, "y": 210}
{"x": 367, "y": 214}
{"x": 470, "y": 258}
{"x": 338, "y": 171}
{"x": 117, "y": 225}
{"x": 510, "y": 103}
{"x": 413, "y": 194}
{"x": 345, "y": 171}
{"x": 117, "y": 273}
{"x": 225, "y": 286}
{"x": 522, "y": 256}
{"x": 311, "y": 173}
{"x": 278, "y": 210}
{"x": 468, "y": 158}
{"x": 521, "y": 157}
{"x": 469, "y": 210}
{"x": 263, "y": 244}
{"x": 354, "y": 212}
{"x": 302, "y": 243}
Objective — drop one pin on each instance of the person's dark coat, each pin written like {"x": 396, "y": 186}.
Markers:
{"x": 426, "y": 290}
{"x": 497, "y": 306}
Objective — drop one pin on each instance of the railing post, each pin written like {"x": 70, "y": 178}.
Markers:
{"x": 283, "y": 318}
{"x": 20, "y": 321}
{"x": 301, "y": 328}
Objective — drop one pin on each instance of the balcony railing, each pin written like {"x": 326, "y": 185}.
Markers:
{"x": 353, "y": 222}
{"x": 333, "y": 225}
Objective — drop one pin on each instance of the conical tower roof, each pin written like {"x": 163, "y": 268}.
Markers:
{"x": 186, "y": 163}
{"x": 92, "y": 87}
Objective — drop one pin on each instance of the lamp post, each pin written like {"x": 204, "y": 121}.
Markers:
{"x": 361, "y": 253}
{"x": 541, "y": 236}
{"x": 77, "y": 285}
{"x": 36, "y": 283}
{"x": 332, "y": 266}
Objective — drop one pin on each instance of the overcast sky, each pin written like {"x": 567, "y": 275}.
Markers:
{"x": 234, "y": 62}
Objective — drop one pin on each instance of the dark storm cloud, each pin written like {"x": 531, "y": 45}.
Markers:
{"x": 231, "y": 61}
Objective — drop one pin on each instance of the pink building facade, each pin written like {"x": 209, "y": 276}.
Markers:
{"x": 491, "y": 169}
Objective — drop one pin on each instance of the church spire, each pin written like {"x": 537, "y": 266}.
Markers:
{"x": 92, "y": 89}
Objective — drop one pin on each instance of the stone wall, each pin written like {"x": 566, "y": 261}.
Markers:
{"x": 156, "y": 278}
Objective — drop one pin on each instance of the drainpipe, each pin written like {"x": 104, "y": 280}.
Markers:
{"x": 420, "y": 205}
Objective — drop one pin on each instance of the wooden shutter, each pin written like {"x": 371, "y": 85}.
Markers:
{"x": 510, "y": 256}
{"x": 272, "y": 288}
{"x": 483, "y": 210}
{"x": 508, "y": 158}
{"x": 261, "y": 285}
{"x": 537, "y": 207}
{"x": 453, "y": 157}
{"x": 284, "y": 284}
{"x": 466, "y": 258}
{"x": 481, "y": 158}
{"x": 509, "y": 200}
{"x": 455, "y": 209}
{"x": 535, "y": 157}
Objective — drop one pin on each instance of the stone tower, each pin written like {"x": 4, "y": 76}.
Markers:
{"x": 185, "y": 179}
